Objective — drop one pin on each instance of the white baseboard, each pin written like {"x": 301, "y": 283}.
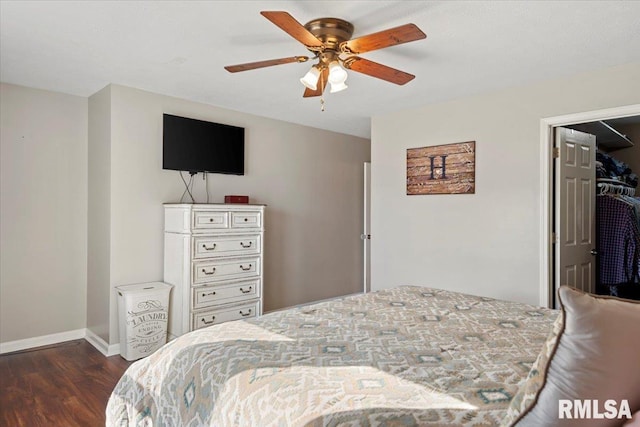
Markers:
{"x": 93, "y": 339}
{"x": 11, "y": 346}
{"x": 101, "y": 345}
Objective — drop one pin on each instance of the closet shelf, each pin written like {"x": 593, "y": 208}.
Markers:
{"x": 607, "y": 137}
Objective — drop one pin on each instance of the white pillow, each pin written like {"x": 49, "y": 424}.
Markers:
{"x": 593, "y": 359}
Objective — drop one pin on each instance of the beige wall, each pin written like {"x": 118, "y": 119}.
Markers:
{"x": 310, "y": 179}
{"x": 99, "y": 214}
{"x": 631, "y": 155}
{"x": 487, "y": 243}
{"x": 43, "y": 217}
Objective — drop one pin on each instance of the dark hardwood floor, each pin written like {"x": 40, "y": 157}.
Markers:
{"x": 66, "y": 384}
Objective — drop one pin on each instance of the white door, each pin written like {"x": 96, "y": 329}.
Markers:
{"x": 366, "y": 234}
{"x": 575, "y": 207}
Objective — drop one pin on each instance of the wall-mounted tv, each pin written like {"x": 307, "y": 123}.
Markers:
{"x": 199, "y": 146}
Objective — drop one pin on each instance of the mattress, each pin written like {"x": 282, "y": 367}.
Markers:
{"x": 404, "y": 356}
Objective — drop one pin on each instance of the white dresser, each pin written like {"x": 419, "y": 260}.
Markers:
{"x": 213, "y": 256}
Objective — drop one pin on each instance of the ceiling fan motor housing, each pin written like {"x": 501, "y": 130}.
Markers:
{"x": 331, "y": 32}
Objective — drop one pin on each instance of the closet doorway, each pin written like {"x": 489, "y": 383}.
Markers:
{"x": 583, "y": 194}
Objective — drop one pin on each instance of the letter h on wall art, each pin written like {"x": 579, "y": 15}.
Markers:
{"x": 442, "y": 169}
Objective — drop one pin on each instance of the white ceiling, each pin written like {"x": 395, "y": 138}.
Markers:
{"x": 179, "y": 48}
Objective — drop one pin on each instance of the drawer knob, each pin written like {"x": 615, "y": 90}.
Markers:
{"x": 243, "y": 314}
{"x": 210, "y": 219}
{"x": 209, "y": 273}
{"x": 209, "y": 248}
{"x": 243, "y": 268}
{"x": 247, "y": 291}
{"x": 209, "y": 294}
{"x": 246, "y": 219}
{"x": 208, "y": 322}
{"x": 245, "y": 246}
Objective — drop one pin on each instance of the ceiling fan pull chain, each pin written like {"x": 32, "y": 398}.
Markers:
{"x": 322, "y": 85}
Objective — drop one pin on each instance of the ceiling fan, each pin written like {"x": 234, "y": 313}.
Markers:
{"x": 330, "y": 42}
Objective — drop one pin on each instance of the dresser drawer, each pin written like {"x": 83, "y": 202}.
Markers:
{"x": 204, "y": 220}
{"x": 240, "y": 219}
{"x": 224, "y": 314}
{"x": 210, "y": 295}
{"x": 225, "y": 269}
{"x": 209, "y": 247}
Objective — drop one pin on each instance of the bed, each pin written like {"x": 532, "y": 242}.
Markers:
{"x": 404, "y": 356}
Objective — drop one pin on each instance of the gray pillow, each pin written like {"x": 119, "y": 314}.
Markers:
{"x": 595, "y": 356}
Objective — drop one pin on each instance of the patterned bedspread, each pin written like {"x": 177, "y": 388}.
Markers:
{"x": 405, "y": 356}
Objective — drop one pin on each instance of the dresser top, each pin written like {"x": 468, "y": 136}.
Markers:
{"x": 211, "y": 205}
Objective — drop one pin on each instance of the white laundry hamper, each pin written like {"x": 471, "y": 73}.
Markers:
{"x": 143, "y": 310}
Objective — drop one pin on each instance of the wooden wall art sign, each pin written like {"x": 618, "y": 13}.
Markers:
{"x": 442, "y": 169}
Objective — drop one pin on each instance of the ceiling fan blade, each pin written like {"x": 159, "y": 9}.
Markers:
{"x": 391, "y": 37}
{"x": 267, "y": 63}
{"x": 379, "y": 71}
{"x": 292, "y": 27}
{"x": 320, "y": 86}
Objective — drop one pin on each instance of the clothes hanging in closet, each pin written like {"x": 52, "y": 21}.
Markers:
{"x": 618, "y": 243}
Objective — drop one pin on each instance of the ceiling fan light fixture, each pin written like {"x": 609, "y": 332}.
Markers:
{"x": 337, "y": 75}
{"x": 310, "y": 79}
{"x": 337, "y": 87}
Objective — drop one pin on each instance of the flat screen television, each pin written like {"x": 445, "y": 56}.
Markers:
{"x": 200, "y": 146}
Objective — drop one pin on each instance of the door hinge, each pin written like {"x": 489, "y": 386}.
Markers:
{"x": 553, "y": 237}
{"x": 556, "y": 152}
